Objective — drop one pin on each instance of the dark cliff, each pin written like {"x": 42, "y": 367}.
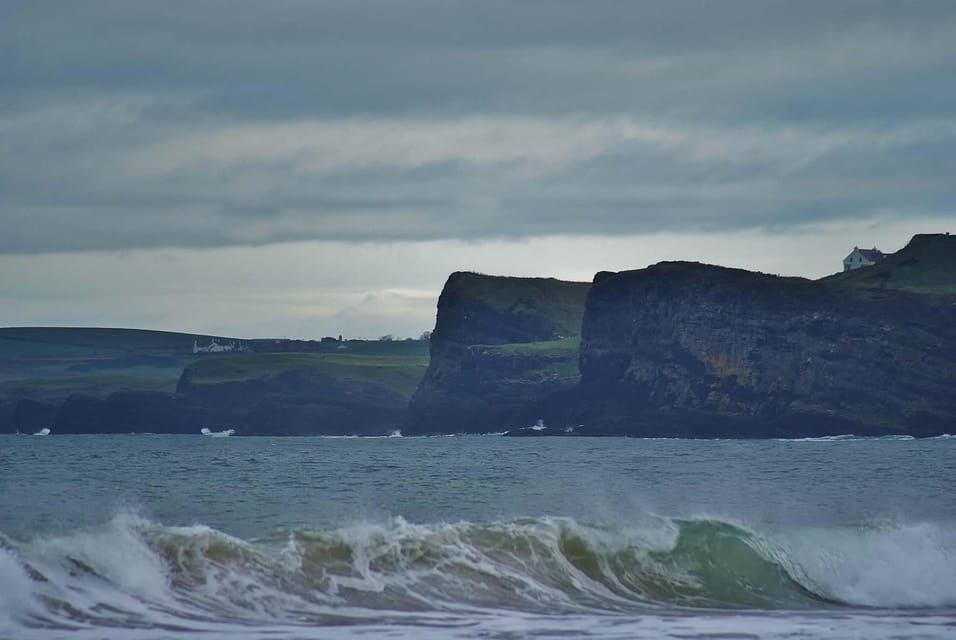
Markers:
{"x": 504, "y": 350}
{"x": 260, "y": 394}
{"x": 684, "y": 349}
{"x": 79, "y": 380}
{"x": 677, "y": 350}
{"x": 303, "y": 394}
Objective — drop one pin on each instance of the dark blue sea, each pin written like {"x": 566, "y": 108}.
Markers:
{"x": 155, "y": 536}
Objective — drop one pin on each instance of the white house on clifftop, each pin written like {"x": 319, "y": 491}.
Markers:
{"x": 215, "y": 347}
{"x": 862, "y": 258}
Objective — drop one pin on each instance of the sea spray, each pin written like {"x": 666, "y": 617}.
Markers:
{"x": 138, "y": 574}
{"x": 552, "y": 538}
{"x": 115, "y": 552}
{"x": 879, "y": 564}
{"x": 16, "y": 589}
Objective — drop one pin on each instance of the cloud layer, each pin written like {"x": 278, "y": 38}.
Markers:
{"x": 314, "y": 289}
{"x": 207, "y": 124}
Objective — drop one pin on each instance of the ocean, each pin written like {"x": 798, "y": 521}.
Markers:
{"x": 160, "y": 536}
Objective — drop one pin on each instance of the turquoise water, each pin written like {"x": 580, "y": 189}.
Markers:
{"x": 149, "y": 536}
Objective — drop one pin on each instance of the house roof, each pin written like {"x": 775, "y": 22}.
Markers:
{"x": 872, "y": 255}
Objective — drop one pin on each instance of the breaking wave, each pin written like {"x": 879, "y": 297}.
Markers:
{"x": 133, "y": 573}
{"x": 854, "y": 438}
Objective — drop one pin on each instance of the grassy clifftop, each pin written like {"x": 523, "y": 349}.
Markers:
{"x": 399, "y": 373}
{"x": 51, "y": 363}
{"x": 927, "y": 265}
{"x": 480, "y": 309}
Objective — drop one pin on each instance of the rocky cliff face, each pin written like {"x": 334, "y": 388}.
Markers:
{"x": 133, "y": 412}
{"x": 503, "y": 351}
{"x": 296, "y": 399}
{"x": 696, "y": 350}
{"x": 300, "y": 402}
{"x": 675, "y": 350}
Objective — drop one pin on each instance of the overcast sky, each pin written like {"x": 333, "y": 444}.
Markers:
{"x": 312, "y": 168}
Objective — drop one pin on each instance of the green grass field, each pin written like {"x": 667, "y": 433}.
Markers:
{"x": 566, "y": 346}
{"x": 57, "y": 387}
{"x": 52, "y": 363}
{"x": 400, "y": 373}
{"x": 555, "y": 358}
{"x": 37, "y": 349}
{"x": 20, "y": 342}
{"x": 402, "y": 348}
{"x": 927, "y": 264}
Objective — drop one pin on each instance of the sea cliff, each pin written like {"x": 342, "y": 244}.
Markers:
{"x": 677, "y": 349}
{"x": 75, "y": 380}
{"x": 684, "y": 349}
{"x": 503, "y": 354}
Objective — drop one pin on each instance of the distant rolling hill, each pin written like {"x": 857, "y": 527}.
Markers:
{"x": 67, "y": 342}
{"x": 94, "y": 380}
{"x": 80, "y": 343}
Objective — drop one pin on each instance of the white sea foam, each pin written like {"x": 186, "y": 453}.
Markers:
{"x": 884, "y": 565}
{"x": 467, "y": 578}
{"x": 16, "y": 594}
{"x": 840, "y": 438}
{"x": 115, "y": 552}
{"x": 848, "y": 437}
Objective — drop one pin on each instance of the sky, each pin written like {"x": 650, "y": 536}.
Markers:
{"x": 302, "y": 169}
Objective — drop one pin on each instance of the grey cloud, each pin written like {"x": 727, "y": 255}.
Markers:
{"x": 303, "y": 58}
{"x": 212, "y": 124}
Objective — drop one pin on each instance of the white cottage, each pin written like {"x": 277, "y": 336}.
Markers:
{"x": 215, "y": 347}
{"x": 862, "y": 258}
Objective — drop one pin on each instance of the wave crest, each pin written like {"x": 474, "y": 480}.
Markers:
{"x": 134, "y": 572}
